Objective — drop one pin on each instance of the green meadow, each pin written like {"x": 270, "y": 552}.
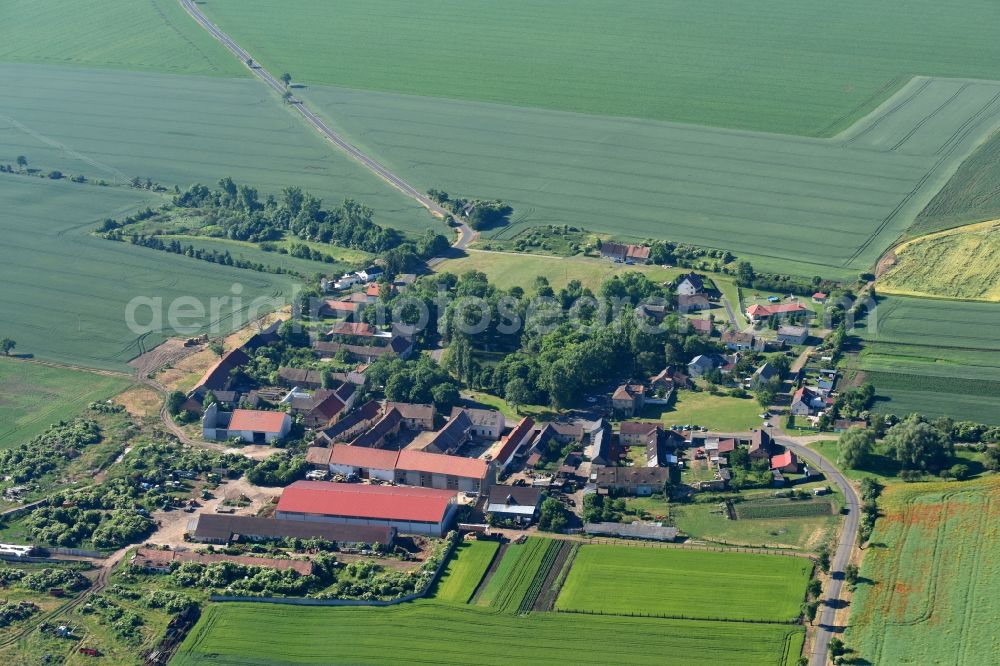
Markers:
{"x": 786, "y": 66}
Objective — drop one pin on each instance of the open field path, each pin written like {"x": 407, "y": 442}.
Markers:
{"x": 825, "y": 628}
{"x": 466, "y": 234}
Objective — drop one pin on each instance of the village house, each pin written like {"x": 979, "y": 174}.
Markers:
{"x": 693, "y": 303}
{"x": 307, "y": 379}
{"x": 320, "y": 408}
{"x": 628, "y": 399}
{"x": 631, "y": 481}
{"x": 735, "y": 340}
{"x": 793, "y": 335}
{"x": 383, "y": 431}
{"x": 339, "y": 308}
{"x": 764, "y": 375}
{"x": 760, "y": 445}
{"x": 819, "y": 297}
{"x": 486, "y": 423}
{"x": 601, "y": 449}
{"x": 625, "y": 254}
{"x": 690, "y": 284}
{"x": 806, "y": 402}
{"x": 424, "y": 511}
{"x": 518, "y": 504}
{"x": 705, "y": 363}
{"x": 703, "y": 327}
{"x": 456, "y": 432}
{"x": 632, "y": 433}
{"x": 758, "y": 312}
{"x": 350, "y": 426}
{"x": 250, "y": 425}
{"x": 786, "y": 463}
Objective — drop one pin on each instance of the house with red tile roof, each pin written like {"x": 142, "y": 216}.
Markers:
{"x": 513, "y": 441}
{"x": 407, "y": 467}
{"x": 785, "y": 462}
{"x": 628, "y": 399}
{"x": 758, "y": 312}
{"x": 426, "y": 511}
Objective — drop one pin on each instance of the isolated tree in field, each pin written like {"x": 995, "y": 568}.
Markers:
{"x": 855, "y": 446}
{"x": 249, "y": 62}
{"x": 286, "y": 78}
{"x": 919, "y": 445}
{"x": 7, "y": 346}
{"x": 22, "y": 162}
{"x": 286, "y": 97}
{"x": 516, "y": 393}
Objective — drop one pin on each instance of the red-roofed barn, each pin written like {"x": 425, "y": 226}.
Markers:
{"x": 410, "y": 510}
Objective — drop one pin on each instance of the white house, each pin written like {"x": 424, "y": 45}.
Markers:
{"x": 690, "y": 285}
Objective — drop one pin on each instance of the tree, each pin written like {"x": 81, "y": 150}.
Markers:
{"x": 216, "y": 347}
{"x": 286, "y": 97}
{"x": 22, "y": 162}
{"x": 249, "y": 62}
{"x": 286, "y": 78}
{"x": 174, "y": 401}
{"x": 552, "y": 516}
{"x": 744, "y": 274}
{"x": 919, "y": 445}
{"x": 836, "y": 647}
{"x": 991, "y": 459}
{"x": 765, "y": 395}
{"x": 7, "y": 346}
{"x": 851, "y": 575}
{"x": 517, "y": 393}
{"x": 855, "y": 446}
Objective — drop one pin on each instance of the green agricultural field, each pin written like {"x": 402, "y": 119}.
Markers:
{"x": 959, "y": 263}
{"x": 34, "y": 396}
{"x": 465, "y": 570}
{"x": 69, "y": 290}
{"x": 154, "y": 35}
{"x": 177, "y": 130}
{"x": 790, "y": 204}
{"x": 936, "y": 357}
{"x": 512, "y": 579}
{"x": 782, "y": 508}
{"x": 670, "y": 582}
{"x": 706, "y": 522}
{"x": 507, "y": 270}
{"x": 719, "y": 413}
{"x": 436, "y": 633}
{"x": 972, "y": 194}
{"x": 784, "y": 66}
{"x": 930, "y": 579}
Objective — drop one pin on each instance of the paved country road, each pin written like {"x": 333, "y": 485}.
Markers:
{"x": 825, "y": 628}
{"x": 466, "y": 234}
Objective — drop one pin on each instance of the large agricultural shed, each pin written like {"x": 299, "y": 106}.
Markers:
{"x": 411, "y": 510}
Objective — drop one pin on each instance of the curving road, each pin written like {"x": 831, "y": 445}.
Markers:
{"x": 826, "y": 627}
{"x": 466, "y": 234}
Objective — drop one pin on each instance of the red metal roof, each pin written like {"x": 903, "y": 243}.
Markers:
{"x": 354, "y": 500}
{"x": 255, "y": 420}
{"x": 362, "y": 456}
{"x": 437, "y": 463}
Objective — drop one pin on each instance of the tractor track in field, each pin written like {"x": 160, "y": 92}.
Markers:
{"x": 465, "y": 233}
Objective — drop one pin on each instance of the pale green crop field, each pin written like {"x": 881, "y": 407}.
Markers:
{"x": 149, "y": 35}
{"x": 34, "y": 396}
{"x": 788, "y": 66}
{"x": 937, "y": 357}
{"x": 179, "y": 130}
{"x": 66, "y": 291}
{"x": 670, "y": 582}
{"x": 234, "y": 634}
{"x": 790, "y": 204}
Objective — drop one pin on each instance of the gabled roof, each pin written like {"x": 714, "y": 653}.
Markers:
{"x": 255, "y": 420}
{"x": 693, "y": 279}
{"x": 389, "y": 422}
{"x": 300, "y": 375}
{"x": 363, "y": 456}
{"x": 702, "y": 325}
{"x": 454, "y": 433}
{"x": 628, "y": 392}
{"x": 318, "y": 455}
{"x": 783, "y": 460}
{"x": 355, "y": 500}
{"x": 638, "y": 252}
{"x": 513, "y": 439}
{"x": 412, "y": 410}
{"x": 638, "y": 427}
{"x": 757, "y": 310}
{"x": 217, "y": 376}
{"x": 727, "y": 445}
{"x": 342, "y": 306}
{"x": 480, "y": 417}
{"x": 438, "y": 463}
{"x": 223, "y": 527}
{"x": 327, "y": 407}
{"x": 357, "y": 328}
{"x": 793, "y": 331}
{"x": 366, "y": 412}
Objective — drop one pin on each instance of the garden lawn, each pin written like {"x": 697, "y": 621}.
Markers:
{"x": 719, "y": 413}
{"x": 506, "y": 270}
{"x": 465, "y": 570}
{"x": 789, "y": 204}
{"x": 428, "y": 632}
{"x": 670, "y": 582}
{"x": 936, "y": 357}
{"x": 34, "y": 396}
{"x": 114, "y": 125}
{"x": 153, "y": 35}
{"x": 704, "y": 521}
{"x": 67, "y": 291}
{"x": 930, "y": 580}
{"x": 785, "y": 66}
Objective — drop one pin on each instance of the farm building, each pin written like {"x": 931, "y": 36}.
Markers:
{"x": 486, "y": 423}
{"x": 601, "y": 449}
{"x": 307, "y": 379}
{"x": 623, "y": 253}
{"x": 425, "y": 511}
{"x": 350, "y": 426}
{"x": 516, "y": 503}
{"x": 453, "y": 435}
{"x": 702, "y": 326}
{"x": 760, "y": 445}
{"x": 382, "y": 431}
{"x": 217, "y": 377}
{"x": 737, "y": 340}
{"x": 793, "y": 335}
{"x": 334, "y": 308}
{"x": 415, "y": 416}
{"x": 250, "y": 425}
{"x": 628, "y": 399}
{"x": 630, "y": 480}
{"x": 651, "y": 531}
{"x": 320, "y": 408}
{"x": 513, "y": 441}
{"x": 631, "y": 433}
{"x": 220, "y": 529}
{"x": 407, "y": 467}
{"x": 785, "y": 462}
